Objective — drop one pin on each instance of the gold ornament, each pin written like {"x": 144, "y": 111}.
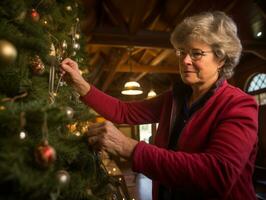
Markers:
{"x": 69, "y": 112}
{"x": 8, "y": 52}
{"x": 37, "y": 65}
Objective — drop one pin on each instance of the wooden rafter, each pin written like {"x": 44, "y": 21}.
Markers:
{"x": 154, "y": 14}
{"x": 113, "y": 69}
{"x": 136, "y": 18}
{"x": 115, "y": 14}
{"x": 230, "y": 5}
{"x": 148, "y": 69}
{"x": 118, "y": 37}
{"x": 156, "y": 61}
{"x": 153, "y": 39}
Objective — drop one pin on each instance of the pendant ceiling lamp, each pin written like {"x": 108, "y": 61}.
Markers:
{"x": 131, "y": 87}
{"x": 151, "y": 94}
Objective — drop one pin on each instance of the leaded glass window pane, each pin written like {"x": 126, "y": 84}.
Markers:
{"x": 257, "y": 83}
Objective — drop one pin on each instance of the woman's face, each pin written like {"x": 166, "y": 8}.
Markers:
{"x": 198, "y": 64}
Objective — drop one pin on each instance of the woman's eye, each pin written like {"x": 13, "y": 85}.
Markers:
{"x": 196, "y": 54}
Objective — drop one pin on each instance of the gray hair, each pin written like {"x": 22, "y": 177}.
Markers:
{"x": 215, "y": 29}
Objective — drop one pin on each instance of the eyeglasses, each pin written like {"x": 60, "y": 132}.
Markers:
{"x": 195, "y": 54}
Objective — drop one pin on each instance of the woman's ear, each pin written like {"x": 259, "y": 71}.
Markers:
{"x": 221, "y": 63}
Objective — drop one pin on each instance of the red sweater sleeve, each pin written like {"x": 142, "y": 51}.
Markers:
{"x": 213, "y": 170}
{"x": 135, "y": 112}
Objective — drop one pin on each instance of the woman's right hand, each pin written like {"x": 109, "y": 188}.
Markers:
{"x": 78, "y": 82}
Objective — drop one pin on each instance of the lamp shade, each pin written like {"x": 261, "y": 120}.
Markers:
{"x": 132, "y": 88}
{"x": 151, "y": 94}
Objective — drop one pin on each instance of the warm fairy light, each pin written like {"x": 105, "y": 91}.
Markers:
{"x": 109, "y": 172}
{"x": 120, "y": 179}
{"x": 259, "y": 34}
{"x": 77, "y": 36}
{"x": 2, "y": 107}
{"x": 64, "y": 45}
{"x": 114, "y": 169}
{"x": 72, "y": 127}
{"x": 78, "y": 133}
{"x": 76, "y": 46}
{"x": 22, "y": 135}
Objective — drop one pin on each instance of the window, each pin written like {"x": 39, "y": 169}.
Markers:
{"x": 257, "y": 88}
{"x": 145, "y": 132}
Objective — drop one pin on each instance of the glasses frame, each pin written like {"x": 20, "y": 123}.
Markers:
{"x": 182, "y": 53}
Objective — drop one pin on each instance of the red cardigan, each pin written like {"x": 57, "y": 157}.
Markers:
{"x": 217, "y": 147}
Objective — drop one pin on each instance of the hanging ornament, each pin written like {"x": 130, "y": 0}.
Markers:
{"x": 68, "y": 8}
{"x": 37, "y": 65}
{"x": 35, "y": 16}
{"x": 45, "y": 155}
{"x": 22, "y": 124}
{"x": 52, "y": 50}
{"x": 8, "y": 52}
{"x": 69, "y": 112}
{"x": 62, "y": 177}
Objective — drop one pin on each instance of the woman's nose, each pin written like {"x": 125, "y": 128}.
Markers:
{"x": 187, "y": 59}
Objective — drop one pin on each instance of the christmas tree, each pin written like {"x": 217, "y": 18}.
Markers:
{"x": 43, "y": 154}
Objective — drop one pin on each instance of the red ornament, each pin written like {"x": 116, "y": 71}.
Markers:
{"x": 35, "y": 16}
{"x": 45, "y": 154}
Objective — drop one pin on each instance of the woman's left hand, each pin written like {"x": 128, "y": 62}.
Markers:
{"x": 107, "y": 137}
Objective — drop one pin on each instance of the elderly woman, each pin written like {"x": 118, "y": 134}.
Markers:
{"x": 206, "y": 141}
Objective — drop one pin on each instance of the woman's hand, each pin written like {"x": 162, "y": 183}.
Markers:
{"x": 107, "y": 137}
{"x": 71, "y": 68}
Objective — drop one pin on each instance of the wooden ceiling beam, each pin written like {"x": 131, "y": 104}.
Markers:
{"x": 161, "y": 56}
{"x": 230, "y": 6}
{"x": 118, "y": 37}
{"x": 114, "y": 66}
{"x": 153, "y": 39}
{"x": 256, "y": 48}
{"x": 136, "y": 18}
{"x": 148, "y": 69}
{"x": 154, "y": 15}
{"x": 114, "y": 13}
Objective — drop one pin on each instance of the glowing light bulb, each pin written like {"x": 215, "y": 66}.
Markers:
{"x": 22, "y": 135}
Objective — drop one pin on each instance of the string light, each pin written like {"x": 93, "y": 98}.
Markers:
{"x": 22, "y": 135}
